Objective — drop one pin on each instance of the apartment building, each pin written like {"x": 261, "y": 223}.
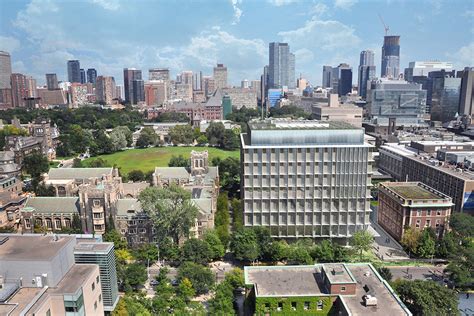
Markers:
{"x": 414, "y": 205}
{"x": 305, "y": 178}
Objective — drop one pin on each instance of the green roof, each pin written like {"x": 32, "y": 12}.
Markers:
{"x": 414, "y": 192}
{"x": 298, "y": 124}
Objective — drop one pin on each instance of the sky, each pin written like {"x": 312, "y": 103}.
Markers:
{"x": 109, "y": 35}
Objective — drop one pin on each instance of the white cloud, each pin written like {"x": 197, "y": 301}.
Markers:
{"x": 9, "y": 44}
{"x": 318, "y": 9}
{"x": 280, "y": 3}
{"x": 111, "y": 5}
{"x": 464, "y": 56}
{"x": 344, "y": 4}
{"x": 237, "y": 11}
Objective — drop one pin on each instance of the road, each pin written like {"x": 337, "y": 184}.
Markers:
{"x": 418, "y": 273}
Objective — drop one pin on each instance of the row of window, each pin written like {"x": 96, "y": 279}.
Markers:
{"x": 294, "y": 306}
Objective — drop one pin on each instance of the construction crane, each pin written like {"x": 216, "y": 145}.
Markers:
{"x": 384, "y": 26}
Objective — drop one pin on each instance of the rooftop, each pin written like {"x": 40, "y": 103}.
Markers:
{"x": 74, "y": 278}
{"x": 52, "y": 205}
{"x": 337, "y": 273}
{"x": 19, "y": 301}
{"x": 32, "y": 247}
{"x": 93, "y": 247}
{"x": 413, "y": 191}
{"x": 298, "y": 124}
{"x": 78, "y": 173}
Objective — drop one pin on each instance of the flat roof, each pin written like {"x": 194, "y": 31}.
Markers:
{"x": 292, "y": 124}
{"x": 74, "y": 279}
{"x": 285, "y": 280}
{"x": 412, "y": 191}
{"x": 32, "y": 247}
{"x": 93, "y": 247}
{"x": 337, "y": 273}
{"x": 22, "y": 298}
{"x": 77, "y": 173}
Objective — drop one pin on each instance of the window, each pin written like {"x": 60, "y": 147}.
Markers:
{"x": 343, "y": 288}
{"x": 27, "y": 223}
{"x": 320, "y": 306}
{"x": 306, "y": 306}
{"x": 93, "y": 286}
{"x": 428, "y": 213}
{"x": 57, "y": 223}
{"x": 428, "y": 223}
{"x": 438, "y": 213}
{"x": 418, "y": 213}
{"x": 418, "y": 223}
{"x": 293, "y": 306}
{"x": 280, "y": 306}
{"x": 97, "y": 279}
{"x": 96, "y": 202}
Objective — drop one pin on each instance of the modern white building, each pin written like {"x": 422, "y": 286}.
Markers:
{"x": 304, "y": 178}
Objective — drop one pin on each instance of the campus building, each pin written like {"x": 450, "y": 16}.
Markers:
{"x": 305, "y": 178}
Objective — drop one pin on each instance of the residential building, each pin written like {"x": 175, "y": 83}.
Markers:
{"x": 466, "y": 105}
{"x": 6, "y": 98}
{"x": 281, "y": 66}
{"x": 220, "y": 76}
{"x": 39, "y": 277}
{"x": 19, "y": 90}
{"x": 159, "y": 74}
{"x": 91, "y": 75}
{"x": 74, "y": 71}
{"x": 396, "y": 100}
{"x": 5, "y": 70}
{"x": 105, "y": 89}
{"x": 184, "y": 92}
{"x": 321, "y": 289}
{"x": 414, "y": 205}
{"x": 423, "y": 68}
{"x": 241, "y": 97}
{"x": 390, "y": 57}
{"x": 405, "y": 163}
{"x": 52, "y": 81}
{"x": 31, "y": 87}
{"x": 118, "y": 92}
{"x": 78, "y": 94}
{"x": 295, "y": 176}
{"x": 335, "y": 111}
{"x": 156, "y": 92}
{"x": 101, "y": 254}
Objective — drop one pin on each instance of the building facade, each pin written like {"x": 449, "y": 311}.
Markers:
{"x": 390, "y": 57}
{"x": 220, "y": 77}
{"x": 466, "y": 103}
{"x": 305, "y": 178}
{"x": 52, "y": 81}
{"x": 5, "y": 70}
{"x": 129, "y": 76}
{"x": 74, "y": 71}
{"x": 105, "y": 89}
{"x": 366, "y": 71}
{"x": 281, "y": 66}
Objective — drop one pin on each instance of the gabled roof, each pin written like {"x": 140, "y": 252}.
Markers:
{"x": 78, "y": 173}
{"x": 47, "y": 205}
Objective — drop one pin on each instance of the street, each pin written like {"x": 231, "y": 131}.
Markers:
{"x": 418, "y": 273}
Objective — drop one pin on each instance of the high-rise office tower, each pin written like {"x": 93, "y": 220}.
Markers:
{"x": 220, "y": 76}
{"x": 466, "y": 104}
{"x": 19, "y": 89}
{"x": 327, "y": 72}
{"x": 159, "y": 74}
{"x": 391, "y": 56}
{"x": 281, "y": 66}
{"x": 5, "y": 70}
{"x": 423, "y": 68}
{"x": 73, "y": 71}
{"x": 304, "y": 178}
{"x": 138, "y": 91}
{"x": 52, "y": 81}
{"x": 197, "y": 85}
{"x": 91, "y": 75}
{"x": 345, "y": 79}
{"x": 83, "y": 75}
{"x": 443, "y": 95}
{"x": 129, "y": 75}
{"x": 366, "y": 71}
{"x": 187, "y": 77}
{"x": 105, "y": 89}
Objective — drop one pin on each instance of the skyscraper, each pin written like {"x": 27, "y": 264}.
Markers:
{"x": 327, "y": 71}
{"x": 129, "y": 75}
{"x": 31, "y": 87}
{"x": 52, "y": 81}
{"x": 83, "y": 75}
{"x": 19, "y": 89}
{"x": 366, "y": 71}
{"x": 220, "y": 76}
{"x": 91, "y": 75}
{"x": 138, "y": 91}
{"x": 345, "y": 79}
{"x": 391, "y": 56}
{"x": 281, "y": 67}
{"x": 5, "y": 70}
{"x": 73, "y": 71}
{"x": 105, "y": 89}
{"x": 159, "y": 74}
{"x": 443, "y": 95}
{"x": 467, "y": 92}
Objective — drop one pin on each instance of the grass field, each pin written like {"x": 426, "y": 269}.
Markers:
{"x": 149, "y": 158}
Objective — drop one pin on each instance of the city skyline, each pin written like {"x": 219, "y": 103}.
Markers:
{"x": 319, "y": 33}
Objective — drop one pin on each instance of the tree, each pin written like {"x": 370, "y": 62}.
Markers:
{"x": 461, "y": 267}
{"x": 323, "y": 251}
{"x": 146, "y": 252}
{"x": 237, "y": 214}
{"x": 462, "y": 224}
{"x": 130, "y": 306}
{"x": 43, "y": 190}
{"x": 278, "y": 250}
{"x": 116, "y": 238}
{"x": 426, "y": 245}
{"x": 196, "y": 250}
{"x": 229, "y": 174}
{"x": 230, "y": 140}
{"x": 170, "y": 209}
{"x": 385, "y": 273}
{"x": 427, "y": 297}
{"x": 147, "y": 138}
{"x": 299, "y": 255}
{"x": 201, "y": 277}
{"x": 118, "y": 138}
{"x": 215, "y": 133}
{"x": 244, "y": 245}
{"x": 410, "y": 240}
{"x": 135, "y": 275}
{"x": 186, "y": 290}
{"x": 11, "y": 130}
{"x": 215, "y": 244}
{"x": 125, "y": 131}
{"x": 35, "y": 164}
{"x": 222, "y": 302}
{"x": 102, "y": 143}
{"x": 222, "y": 218}
{"x": 447, "y": 246}
{"x": 202, "y": 140}
{"x": 289, "y": 111}
{"x": 136, "y": 176}
{"x": 181, "y": 134}
{"x": 76, "y": 224}
{"x": 362, "y": 241}
{"x": 178, "y": 161}
{"x": 98, "y": 163}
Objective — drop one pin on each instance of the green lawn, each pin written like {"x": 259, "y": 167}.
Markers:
{"x": 149, "y": 158}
